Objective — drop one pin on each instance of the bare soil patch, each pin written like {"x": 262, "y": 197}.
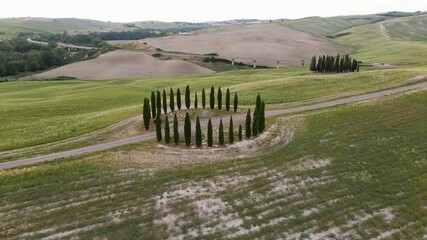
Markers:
{"x": 123, "y": 64}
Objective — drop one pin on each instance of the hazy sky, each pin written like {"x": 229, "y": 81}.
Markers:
{"x": 198, "y": 10}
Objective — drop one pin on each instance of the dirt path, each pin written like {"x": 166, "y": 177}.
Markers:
{"x": 384, "y": 31}
{"x": 237, "y": 118}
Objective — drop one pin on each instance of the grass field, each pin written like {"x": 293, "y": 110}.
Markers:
{"x": 408, "y": 28}
{"x": 354, "y": 171}
{"x": 33, "y": 113}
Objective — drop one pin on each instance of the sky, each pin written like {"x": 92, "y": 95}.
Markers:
{"x": 200, "y": 11}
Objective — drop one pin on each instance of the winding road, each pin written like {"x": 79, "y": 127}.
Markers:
{"x": 236, "y": 118}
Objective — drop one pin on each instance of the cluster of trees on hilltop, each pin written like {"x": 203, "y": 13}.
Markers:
{"x": 331, "y": 64}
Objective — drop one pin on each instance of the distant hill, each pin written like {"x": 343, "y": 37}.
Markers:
{"x": 412, "y": 28}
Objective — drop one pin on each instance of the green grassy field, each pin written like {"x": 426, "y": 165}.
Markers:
{"x": 34, "y": 113}
{"x": 408, "y": 28}
{"x": 354, "y": 171}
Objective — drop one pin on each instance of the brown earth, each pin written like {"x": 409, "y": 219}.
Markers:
{"x": 123, "y": 64}
{"x": 265, "y": 43}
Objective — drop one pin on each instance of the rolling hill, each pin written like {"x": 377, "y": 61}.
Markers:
{"x": 265, "y": 43}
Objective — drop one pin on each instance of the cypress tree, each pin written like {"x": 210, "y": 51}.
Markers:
{"x": 319, "y": 64}
{"x": 146, "y": 113}
{"x": 324, "y": 64}
{"x": 203, "y": 98}
{"x": 187, "y": 129}
{"x": 196, "y": 104}
{"x": 153, "y": 104}
{"x": 248, "y": 132}
{"x": 221, "y": 133}
{"x": 219, "y": 98}
{"x": 231, "y": 131}
{"x": 255, "y": 126}
{"x": 313, "y": 64}
{"x": 355, "y": 65}
{"x": 159, "y": 102}
{"x": 175, "y": 130}
{"x": 337, "y": 64}
{"x": 172, "y": 100}
{"x": 236, "y": 102}
{"x": 240, "y": 133}
{"x": 187, "y": 97}
{"x": 198, "y": 133}
{"x": 158, "y": 127}
{"x": 167, "y": 131}
{"x": 178, "y": 99}
{"x": 212, "y": 98}
{"x": 210, "y": 133}
{"x": 165, "y": 104}
{"x": 262, "y": 117}
{"x": 227, "y": 100}
{"x": 342, "y": 67}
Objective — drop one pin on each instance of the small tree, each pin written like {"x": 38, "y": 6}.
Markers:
{"x": 203, "y": 98}
{"x": 172, "y": 100}
{"x": 165, "y": 104}
{"x": 227, "y": 100}
{"x": 231, "y": 131}
{"x": 240, "y": 133}
{"x": 196, "y": 104}
{"x": 187, "y": 129}
{"x": 198, "y": 133}
{"x": 248, "y": 122}
{"x": 187, "y": 97}
{"x": 178, "y": 99}
{"x": 255, "y": 126}
{"x": 175, "y": 129}
{"x": 146, "y": 113}
{"x": 212, "y": 98}
{"x": 159, "y": 102}
{"x": 158, "y": 127}
{"x": 167, "y": 131}
{"x": 262, "y": 117}
{"x": 210, "y": 133}
{"x": 153, "y": 104}
{"x": 236, "y": 102}
{"x": 219, "y": 98}
{"x": 221, "y": 133}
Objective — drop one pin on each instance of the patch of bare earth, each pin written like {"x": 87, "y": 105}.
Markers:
{"x": 123, "y": 64}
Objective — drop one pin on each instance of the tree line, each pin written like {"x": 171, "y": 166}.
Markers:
{"x": 254, "y": 125}
{"x": 333, "y": 64}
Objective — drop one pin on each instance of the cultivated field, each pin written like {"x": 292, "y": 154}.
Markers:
{"x": 123, "y": 64}
{"x": 265, "y": 43}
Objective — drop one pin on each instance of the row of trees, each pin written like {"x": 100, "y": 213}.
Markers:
{"x": 331, "y": 64}
{"x": 158, "y": 102}
{"x": 254, "y": 126}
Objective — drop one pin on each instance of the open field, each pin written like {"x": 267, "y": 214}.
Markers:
{"x": 34, "y": 113}
{"x": 354, "y": 171}
{"x": 123, "y": 64}
{"x": 408, "y": 28}
{"x": 265, "y": 43}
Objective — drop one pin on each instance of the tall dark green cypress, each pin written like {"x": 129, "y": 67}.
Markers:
{"x": 187, "y": 97}
{"x": 221, "y": 133}
{"x": 165, "y": 104}
{"x": 178, "y": 99}
{"x": 158, "y": 127}
{"x": 203, "y": 98}
{"x": 210, "y": 133}
{"x": 167, "y": 131}
{"x": 313, "y": 64}
{"x": 227, "y": 100}
{"x": 187, "y": 129}
{"x": 231, "y": 131}
{"x": 198, "y": 133}
{"x": 212, "y": 98}
{"x": 159, "y": 102}
{"x": 337, "y": 63}
{"x": 196, "y": 103}
{"x": 236, "y": 102}
{"x": 248, "y": 122}
{"x": 146, "y": 113}
{"x": 262, "y": 117}
{"x": 219, "y": 98}
{"x": 175, "y": 130}
{"x": 240, "y": 133}
{"x": 153, "y": 104}
{"x": 255, "y": 126}
{"x": 172, "y": 100}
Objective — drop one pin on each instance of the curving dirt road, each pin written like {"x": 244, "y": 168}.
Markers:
{"x": 236, "y": 118}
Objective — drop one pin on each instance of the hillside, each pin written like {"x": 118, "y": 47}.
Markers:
{"x": 265, "y": 43}
{"x": 408, "y": 28}
{"x": 123, "y": 64}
